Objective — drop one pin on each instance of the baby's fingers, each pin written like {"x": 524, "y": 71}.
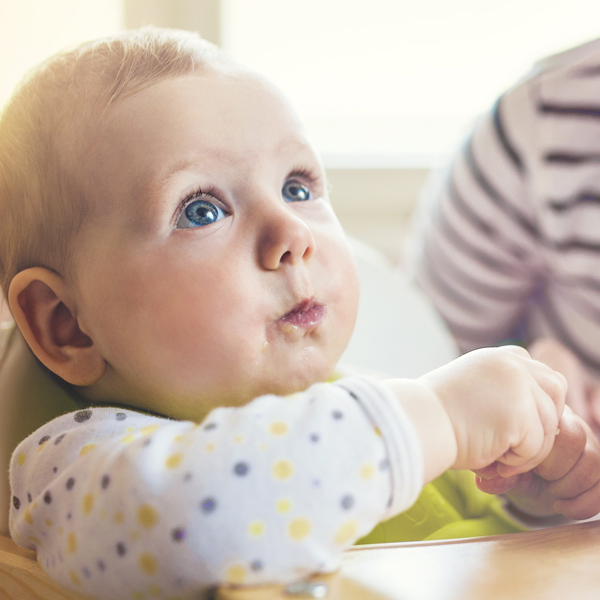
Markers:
{"x": 537, "y": 437}
{"x": 553, "y": 383}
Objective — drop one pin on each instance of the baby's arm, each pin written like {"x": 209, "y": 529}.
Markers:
{"x": 119, "y": 503}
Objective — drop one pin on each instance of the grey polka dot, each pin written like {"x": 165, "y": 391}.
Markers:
{"x": 82, "y": 415}
{"x": 315, "y": 437}
{"x": 105, "y": 481}
{"x": 43, "y": 440}
{"x": 16, "y": 503}
{"x": 87, "y": 573}
{"x": 121, "y": 549}
{"x": 48, "y": 497}
{"x": 256, "y": 565}
{"x": 178, "y": 534}
{"x": 70, "y": 483}
{"x": 241, "y": 469}
{"x": 55, "y": 469}
{"x": 336, "y": 414}
{"x": 147, "y": 442}
{"x": 208, "y": 505}
{"x": 347, "y": 502}
{"x": 69, "y": 516}
{"x": 120, "y": 416}
{"x": 352, "y": 395}
{"x": 210, "y": 426}
{"x": 188, "y": 476}
{"x": 316, "y": 482}
{"x": 59, "y": 439}
{"x": 101, "y": 566}
{"x": 384, "y": 464}
{"x": 29, "y": 498}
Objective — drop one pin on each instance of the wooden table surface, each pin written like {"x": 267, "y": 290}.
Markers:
{"x": 551, "y": 564}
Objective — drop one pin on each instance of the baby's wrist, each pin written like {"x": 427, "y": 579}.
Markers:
{"x": 431, "y": 421}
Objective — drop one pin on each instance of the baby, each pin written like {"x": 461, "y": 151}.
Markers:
{"x": 170, "y": 256}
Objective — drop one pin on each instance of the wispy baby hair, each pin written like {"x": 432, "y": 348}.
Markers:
{"x": 43, "y": 130}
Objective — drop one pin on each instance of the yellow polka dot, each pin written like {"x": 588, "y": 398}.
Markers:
{"x": 239, "y": 439}
{"x": 137, "y": 595}
{"x": 72, "y": 543}
{"x": 283, "y": 469}
{"x": 73, "y": 577}
{"x": 49, "y": 523}
{"x": 256, "y": 528}
{"x": 179, "y": 438}
{"x": 174, "y": 460}
{"x": 118, "y": 518}
{"x": 209, "y": 447}
{"x": 155, "y": 590}
{"x": 88, "y": 504}
{"x": 263, "y": 447}
{"x": 149, "y": 429}
{"x": 128, "y": 439}
{"x": 236, "y": 574}
{"x": 130, "y": 429}
{"x": 60, "y": 530}
{"x": 367, "y": 471}
{"x": 35, "y": 540}
{"x": 147, "y": 515}
{"x": 377, "y": 431}
{"x": 21, "y": 459}
{"x": 278, "y": 428}
{"x": 102, "y": 513}
{"x": 42, "y": 446}
{"x": 27, "y": 516}
{"x": 87, "y": 448}
{"x": 346, "y": 532}
{"x": 283, "y": 505}
{"x": 148, "y": 563}
{"x": 34, "y": 506}
{"x": 299, "y": 528}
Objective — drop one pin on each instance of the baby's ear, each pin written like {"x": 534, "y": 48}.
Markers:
{"x": 46, "y": 314}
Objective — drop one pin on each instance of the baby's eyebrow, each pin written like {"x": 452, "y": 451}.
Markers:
{"x": 164, "y": 178}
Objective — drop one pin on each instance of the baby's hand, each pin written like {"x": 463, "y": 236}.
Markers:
{"x": 566, "y": 482}
{"x": 503, "y": 406}
{"x": 583, "y": 395}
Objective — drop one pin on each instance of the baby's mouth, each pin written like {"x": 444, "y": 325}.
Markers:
{"x": 307, "y": 315}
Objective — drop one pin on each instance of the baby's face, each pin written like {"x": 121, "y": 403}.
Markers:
{"x": 211, "y": 268}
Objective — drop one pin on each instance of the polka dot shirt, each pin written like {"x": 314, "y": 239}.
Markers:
{"x": 122, "y": 505}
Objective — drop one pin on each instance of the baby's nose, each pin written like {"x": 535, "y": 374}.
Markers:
{"x": 286, "y": 239}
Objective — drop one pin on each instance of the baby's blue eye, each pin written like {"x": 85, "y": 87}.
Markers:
{"x": 294, "y": 191}
{"x": 199, "y": 213}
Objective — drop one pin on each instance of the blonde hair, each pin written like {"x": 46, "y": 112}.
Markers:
{"x": 42, "y": 201}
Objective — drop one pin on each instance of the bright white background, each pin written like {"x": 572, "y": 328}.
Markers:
{"x": 395, "y": 83}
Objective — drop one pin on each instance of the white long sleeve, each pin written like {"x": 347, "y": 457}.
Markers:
{"x": 122, "y": 505}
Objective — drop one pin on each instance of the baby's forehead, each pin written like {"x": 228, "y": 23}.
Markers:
{"x": 216, "y": 121}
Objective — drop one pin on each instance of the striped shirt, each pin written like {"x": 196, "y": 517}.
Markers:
{"x": 510, "y": 246}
